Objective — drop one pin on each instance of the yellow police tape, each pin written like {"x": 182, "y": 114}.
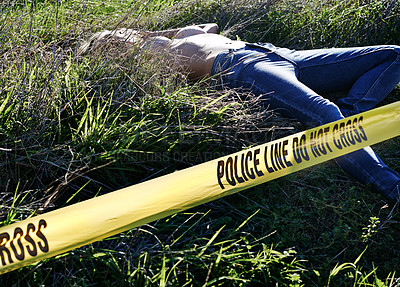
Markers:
{"x": 47, "y": 235}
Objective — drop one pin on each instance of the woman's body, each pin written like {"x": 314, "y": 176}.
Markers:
{"x": 292, "y": 82}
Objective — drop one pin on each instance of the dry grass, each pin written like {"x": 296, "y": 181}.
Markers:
{"x": 112, "y": 118}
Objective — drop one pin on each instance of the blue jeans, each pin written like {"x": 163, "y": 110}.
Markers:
{"x": 291, "y": 82}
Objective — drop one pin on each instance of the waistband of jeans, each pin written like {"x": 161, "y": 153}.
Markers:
{"x": 222, "y": 63}
{"x": 268, "y": 47}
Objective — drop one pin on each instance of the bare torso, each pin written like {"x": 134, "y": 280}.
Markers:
{"x": 196, "y": 54}
{"x": 192, "y": 48}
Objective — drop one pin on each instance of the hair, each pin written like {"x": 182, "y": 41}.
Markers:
{"x": 122, "y": 35}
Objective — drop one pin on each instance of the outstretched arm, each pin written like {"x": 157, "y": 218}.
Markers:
{"x": 155, "y": 41}
{"x": 186, "y": 31}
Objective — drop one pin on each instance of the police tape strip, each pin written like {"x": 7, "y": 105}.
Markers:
{"x": 55, "y": 232}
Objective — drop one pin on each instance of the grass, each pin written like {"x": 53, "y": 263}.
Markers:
{"x": 74, "y": 127}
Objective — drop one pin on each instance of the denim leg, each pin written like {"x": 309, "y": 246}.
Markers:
{"x": 275, "y": 80}
{"x": 368, "y": 73}
{"x": 368, "y": 168}
{"x": 291, "y": 80}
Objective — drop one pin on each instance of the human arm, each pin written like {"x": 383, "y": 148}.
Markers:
{"x": 210, "y": 28}
{"x": 187, "y": 31}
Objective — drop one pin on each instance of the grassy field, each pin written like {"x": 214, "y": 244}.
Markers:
{"x": 74, "y": 127}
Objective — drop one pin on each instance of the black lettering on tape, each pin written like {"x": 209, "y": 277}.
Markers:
{"x": 335, "y": 131}
{"x": 303, "y": 148}
{"x": 300, "y": 149}
{"x": 32, "y": 250}
{"x": 16, "y": 243}
{"x": 362, "y": 134}
{"x": 356, "y": 134}
{"x": 238, "y": 177}
{"x": 296, "y": 150}
{"x": 285, "y": 153}
{"x": 278, "y": 155}
{"x": 4, "y": 238}
{"x": 257, "y": 162}
{"x": 320, "y": 141}
{"x": 249, "y": 172}
{"x": 45, "y": 246}
{"x": 20, "y": 256}
{"x": 230, "y": 177}
{"x": 342, "y": 130}
{"x": 220, "y": 173}
{"x": 349, "y": 133}
{"x": 313, "y": 144}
